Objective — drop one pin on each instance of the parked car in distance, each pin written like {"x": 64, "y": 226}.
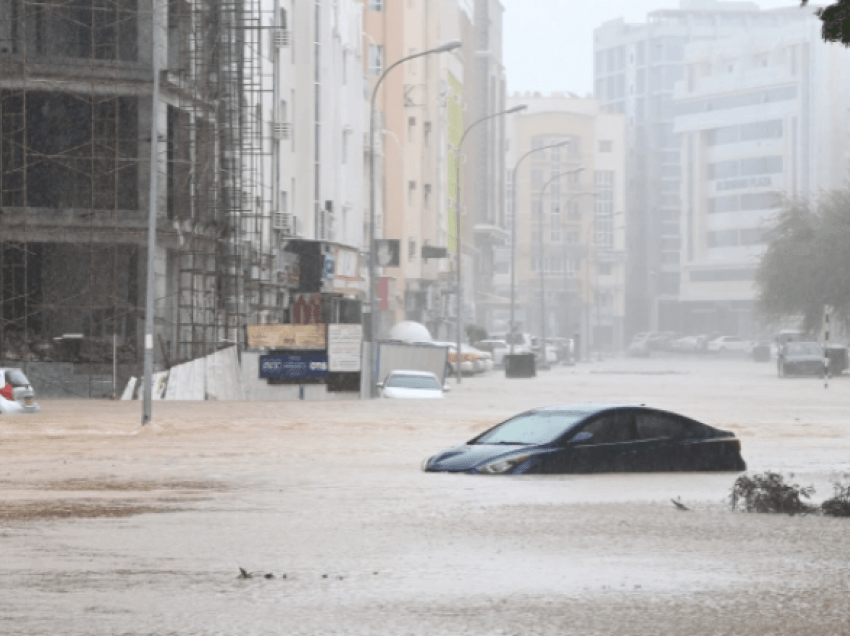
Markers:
{"x": 521, "y": 341}
{"x": 482, "y": 361}
{"x": 16, "y": 394}
{"x": 498, "y": 349}
{"x": 466, "y": 366}
{"x": 639, "y": 348}
{"x": 688, "y": 344}
{"x": 591, "y": 438}
{"x": 551, "y": 350}
{"x": 800, "y": 358}
{"x": 730, "y": 343}
{"x": 565, "y": 348}
{"x": 412, "y": 385}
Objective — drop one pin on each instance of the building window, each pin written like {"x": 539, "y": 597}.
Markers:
{"x": 426, "y": 195}
{"x": 376, "y": 5}
{"x": 426, "y": 133}
{"x": 605, "y": 232}
{"x": 604, "y": 185}
{"x": 604, "y": 269}
{"x": 376, "y": 59}
{"x": 411, "y": 250}
{"x": 606, "y": 145}
{"x": 411, "y": 192}
{"x": 283, "y": 204}
{"x": 411, "y": 127}
{"x": 344, "y": 147}
{"x": 572, "y": 238}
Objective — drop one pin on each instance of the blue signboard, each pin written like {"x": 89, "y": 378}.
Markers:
{"x": 294, "y": 366}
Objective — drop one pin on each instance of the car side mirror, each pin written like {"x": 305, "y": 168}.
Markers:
{"x": 446, "y": 387}
{"x": 584, "y": 436}
{"x": 380, "y": 385}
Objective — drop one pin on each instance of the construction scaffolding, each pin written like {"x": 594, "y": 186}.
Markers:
{"x": 75, "y": 142}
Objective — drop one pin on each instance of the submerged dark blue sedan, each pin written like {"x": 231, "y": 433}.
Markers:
{"x": 593, "y": 438}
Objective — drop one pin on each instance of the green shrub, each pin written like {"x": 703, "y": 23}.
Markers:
{"x": 839, "y": 504}
{"x": 768, "y": 492}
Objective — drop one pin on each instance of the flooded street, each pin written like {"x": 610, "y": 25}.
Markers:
{"x": 107, "y": 528}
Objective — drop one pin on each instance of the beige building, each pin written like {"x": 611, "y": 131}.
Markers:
{"x": 570, "y": 230}
{"x": 419, "y": 107}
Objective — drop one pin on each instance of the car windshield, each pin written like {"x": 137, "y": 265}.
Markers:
{"x": 803, "y": 349}
{"x": 16, "y": 377}
{"x": 413, "y": 382}
{"x": 536, "y": 427}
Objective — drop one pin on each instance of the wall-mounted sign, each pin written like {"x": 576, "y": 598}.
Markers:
{"x": 344, "y": 348}
{"x": 429, "y": 251}
{"x": 293, "y": 366}
{"x": 740, "y": 184}
{"x": 288, "y": 336}
{"x": 307, "y": 309}
{"x": 388, "y": 252}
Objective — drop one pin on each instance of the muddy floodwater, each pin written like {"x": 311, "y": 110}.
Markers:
{"x": 110, "y": 528}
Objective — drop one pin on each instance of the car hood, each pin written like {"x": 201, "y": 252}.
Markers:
{"x": 420, "y": 394}
{"x": 469, "y": 456}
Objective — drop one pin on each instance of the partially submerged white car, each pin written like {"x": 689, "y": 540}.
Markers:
{"x": 412, "y": 385}
{"x": 16, "y": 394}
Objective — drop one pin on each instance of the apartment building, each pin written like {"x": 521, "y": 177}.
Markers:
{"x": 570, "y": 229}
{"x": 420, "y": 115}
{"x": 485, "y": 153}
{"x": 637, "y": 67}
{"x": 760, "y": 116}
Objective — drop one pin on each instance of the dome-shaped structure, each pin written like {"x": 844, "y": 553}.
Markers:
{"x": 410, "y": 331}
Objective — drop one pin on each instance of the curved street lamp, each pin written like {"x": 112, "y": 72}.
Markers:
{"x": 513, "y": 234}
{"x": 544, "y": 362}
{"x": 373, "y": 282}
{"x": 458, "y": 243}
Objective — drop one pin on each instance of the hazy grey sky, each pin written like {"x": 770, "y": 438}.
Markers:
{"x": 549, "y": 43}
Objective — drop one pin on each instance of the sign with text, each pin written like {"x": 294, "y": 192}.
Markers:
{"x": 293, "y": 366}
{"x": 307, "y": 309}
{"x": 344, "y": 346}
{"x": 288, "y": 336}
{"x": 388, "y": 252}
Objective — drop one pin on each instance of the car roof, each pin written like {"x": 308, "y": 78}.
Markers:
{"x": 589, "y": 407}
{"x": 426, "y": 374}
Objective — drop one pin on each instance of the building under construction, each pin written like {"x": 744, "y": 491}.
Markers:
{"x": 76, "y": 85}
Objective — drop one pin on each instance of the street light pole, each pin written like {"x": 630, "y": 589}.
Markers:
{"x": 567, "y": 205}
{"x": 513, "y": 235}
{"x": 147, "y": 388}
{"x": 544, "y": 361}
{"x": 458, "y": 243}
{"x": 371, "y": 367}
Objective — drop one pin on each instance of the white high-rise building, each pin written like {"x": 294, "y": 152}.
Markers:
{"x": 760, "y": 116}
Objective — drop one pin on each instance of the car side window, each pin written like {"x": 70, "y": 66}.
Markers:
{"x": 611, "y": 428}
{"x": 660, "y": 426}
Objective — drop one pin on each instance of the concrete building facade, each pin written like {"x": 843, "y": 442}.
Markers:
{"x": 636, "y": 69}
{"x": 578, "y": 246}
{"x": 760, "y": 116}
{"x": 486, "y": 155}
{"x": 420, "y": 115}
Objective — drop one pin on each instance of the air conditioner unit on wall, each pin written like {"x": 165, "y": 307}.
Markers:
{"x": 281, "y": 131}
{"x": 281, "y": 38}
{"x": 282, "y": 221}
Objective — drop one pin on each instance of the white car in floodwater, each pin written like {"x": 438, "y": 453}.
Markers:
{"x": 412, "y": 385}
{"x": 16, "y": 394}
